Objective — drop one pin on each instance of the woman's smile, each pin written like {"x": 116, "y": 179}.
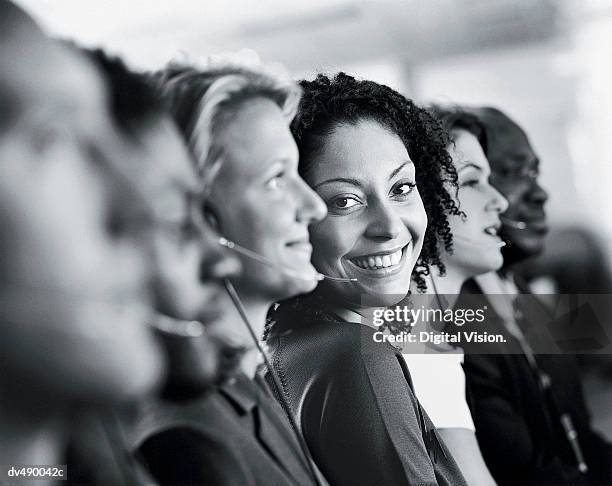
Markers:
{"x": 376, "y": 219}
{"x": 272, "y": 215}
{"x": 488, "y": 238}
{"x": 380, "y": 264}
{"x": 492, "y": 232}
{"x": 302, "y": 248}
{"x": 477, "y": 248}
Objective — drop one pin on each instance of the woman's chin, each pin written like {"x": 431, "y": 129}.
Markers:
{"x": 497, "y": 263}
{"x": 385, "y": 292}
{"x": 295, "y": 287}
{"x": 302, "y": 281}
{"x": 489, "y": 263}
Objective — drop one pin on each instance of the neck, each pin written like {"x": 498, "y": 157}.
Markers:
{"x": 29, "y": 432}
{"x": 350, "y": 312}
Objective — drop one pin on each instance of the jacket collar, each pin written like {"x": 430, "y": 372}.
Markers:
{"x": 241, "y": 393}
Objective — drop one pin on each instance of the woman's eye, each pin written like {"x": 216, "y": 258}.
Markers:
{"x": 344, "y": 203}
{"x": 277, "y": 181}
{"x": 403, "y": 189}
{"x": 471, "y": 183}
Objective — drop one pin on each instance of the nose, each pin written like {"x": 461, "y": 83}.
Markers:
{"x": 385, "y": 222}
{"x": 537, "y": 194}
{"x": 497, "y": 202}
{"x": 311, "y": 207}
{"x": 217, "y": 262}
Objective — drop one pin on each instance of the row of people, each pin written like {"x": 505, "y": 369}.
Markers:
{"x": 159, "y": 227}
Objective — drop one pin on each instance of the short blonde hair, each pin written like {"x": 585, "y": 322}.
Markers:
{"x": 202, "y": 101}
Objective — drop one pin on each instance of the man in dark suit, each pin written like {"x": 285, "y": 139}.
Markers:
{"x": 531, "y": 420}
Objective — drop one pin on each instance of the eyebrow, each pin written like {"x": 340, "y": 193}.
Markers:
{"x": 397, "y": 171}
{"x": 467, "y": 165}
{"x": 357, "y": 182}
{"x": 349, "y": 180}
{"x": 276, "y": 160}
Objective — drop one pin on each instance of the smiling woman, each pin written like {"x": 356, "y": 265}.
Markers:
{"x": 476, "y": 241}
{"x": 262, "y": 204}
{"x": 380, "y": 164}
{"x": 376, "y": 223}
{"x": 236, "y": 121}
{"x": 476, "y": 250}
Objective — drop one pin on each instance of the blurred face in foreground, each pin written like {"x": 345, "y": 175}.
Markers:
{"x": 189, "y": 263}
{"x": 74, "y": 276}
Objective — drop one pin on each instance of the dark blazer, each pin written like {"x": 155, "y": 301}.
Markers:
{"x": 96, "y": 454}
{"x": 235, "y": 435}
{"x": 517, "y": 428}
{"x": 354, "y": 402}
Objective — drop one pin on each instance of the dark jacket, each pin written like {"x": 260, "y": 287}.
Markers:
{"x": 517, "y": 426}
{"x": 354, "y": 402}
{"x": 235, "y": 435}
{"x": 96, "y": 454}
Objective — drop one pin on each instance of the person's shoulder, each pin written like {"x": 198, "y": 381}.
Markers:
{"x": 185, "y": 455}
{"x": 161, "y": 417}
{"x": 177, "y": 437}
{"x": 336, "y": 342}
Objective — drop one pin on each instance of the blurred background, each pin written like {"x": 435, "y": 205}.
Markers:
{"x": 547, "y": 63}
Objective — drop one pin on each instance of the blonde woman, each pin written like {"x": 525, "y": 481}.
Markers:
{"x": 236, "y": 122}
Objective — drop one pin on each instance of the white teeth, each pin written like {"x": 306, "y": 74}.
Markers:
{"x": 491, "y": 230}
{"x": 377, "y": 262}
{"x": 396, "y": 257}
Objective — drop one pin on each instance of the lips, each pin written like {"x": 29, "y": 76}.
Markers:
{"x": 536, "y": 225}
{"x": 492, "y": 240}
{"x": 492, "y": 230}
{"x": 383, "y": 262}
{"x": 302, "y": 246}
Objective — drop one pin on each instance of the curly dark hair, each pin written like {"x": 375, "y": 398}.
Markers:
{"x": 330, "y": 101}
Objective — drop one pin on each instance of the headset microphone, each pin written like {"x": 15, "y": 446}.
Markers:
{"x": 282, "y": 268}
